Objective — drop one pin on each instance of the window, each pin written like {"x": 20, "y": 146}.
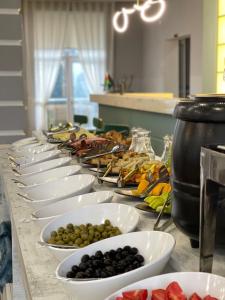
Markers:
{"x": 71, "y": 83}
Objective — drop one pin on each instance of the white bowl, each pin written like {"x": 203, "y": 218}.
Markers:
{"x": 44, "y": 166}
{"x": 59, "y": 189}
{"x": 123, "y": 216}
{"x": 155, "y": 246}
{"x": 24, "y": 141}
{"x": 46, "y": 214}
{"x": 201, "y": 283}
{"x": 36, "y": 158}
{"x": 48, "y": 176}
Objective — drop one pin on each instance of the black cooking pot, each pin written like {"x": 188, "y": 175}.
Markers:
{"x": 200, "y": 122}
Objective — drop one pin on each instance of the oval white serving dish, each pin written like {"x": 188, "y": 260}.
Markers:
{"x": 59, "y": 189}
{"x": 47, "y": 176}
{"x": 191, "y": 282}
{"x": 33, "y": 159}
{"x": 155, "y": 246}
{"x": 123, "y": 216}
{"x": 44, "y": 166}
{"x": 46, "y": 214}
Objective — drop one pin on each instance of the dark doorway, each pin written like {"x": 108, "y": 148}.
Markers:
{"x": 184, "y": 66}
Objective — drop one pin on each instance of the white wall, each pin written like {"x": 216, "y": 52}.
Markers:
{"x": 160, "y": 50}
{"x": 128, "y": 52}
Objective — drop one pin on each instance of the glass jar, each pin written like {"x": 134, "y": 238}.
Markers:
{"x": 166, "y": 155}
{"x": 144, "y": 143}
{"x": 134, "y": 134}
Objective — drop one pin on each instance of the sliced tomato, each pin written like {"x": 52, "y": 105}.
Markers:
{"x": 195, "y": 296}
{"x": 159, "y": 294}
{"x": 136, "y": 295}
{"x": 175, "y": 292}
{"x": 208, "y": 297}
{"x": 119, "y": 298}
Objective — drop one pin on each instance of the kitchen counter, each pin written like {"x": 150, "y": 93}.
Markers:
{"x": 37, "y": 264}
{"x": 157, "y": 103}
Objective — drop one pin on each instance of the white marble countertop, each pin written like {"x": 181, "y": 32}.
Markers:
{"x": 138, "y": 101}
{"x": 38, "y": 265}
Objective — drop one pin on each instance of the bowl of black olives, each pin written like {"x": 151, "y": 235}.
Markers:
{"x": 87, "y": 225}
{"x": 98, "y": 270}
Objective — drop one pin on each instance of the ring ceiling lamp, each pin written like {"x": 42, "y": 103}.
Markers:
{"x": 142, "y": 9}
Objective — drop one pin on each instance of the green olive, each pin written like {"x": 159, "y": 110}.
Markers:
{"x": 70, "y": 226}
{"x": 84, "y": 236}
{"x": 53, "y": 234}
{"x": 107, "y": 222}
{"x": 78, "y": 241}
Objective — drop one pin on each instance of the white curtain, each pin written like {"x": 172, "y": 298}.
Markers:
{"x": 47, "y": 37}
{"x": 90, "y": 25}
{"x": 50, "y": 27}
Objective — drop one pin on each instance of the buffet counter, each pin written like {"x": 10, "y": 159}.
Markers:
{"x": 36, "y": 263}
{"x": 150, "y": 111}
{"x": 157, "y": 103}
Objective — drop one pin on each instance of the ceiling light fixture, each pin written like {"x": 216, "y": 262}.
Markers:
{"x": 142, "y": 9}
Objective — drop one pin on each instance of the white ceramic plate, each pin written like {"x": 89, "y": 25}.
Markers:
{"x": 47, "y": 176}
{"x": 44, "y": 215}
{"x": 44, "y": 166}
{"x": 201, "y": 283}
{"x": 155, "y": 246}
{"x": 59, "y": 189}
{"x": 24, "y": 141}
{"x": 123, "y": 216}
{"x": 24, "y": 162}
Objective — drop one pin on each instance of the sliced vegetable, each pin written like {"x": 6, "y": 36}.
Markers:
{"x": 208, "y": 297}
{"x": 159, "y": 294}
{"x": 175, "y": 292}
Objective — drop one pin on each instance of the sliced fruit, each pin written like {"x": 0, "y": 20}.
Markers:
{"x": 208, "y": 297}
{"x": 175, "y": 292}
{"x": 136, "y": 295}
{"x": 158, "y": 294}
{"x": 195, "y": 296}
{"x": 119, "y": 298}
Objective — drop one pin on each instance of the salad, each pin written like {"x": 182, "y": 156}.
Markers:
{"x": 172, "y": 292}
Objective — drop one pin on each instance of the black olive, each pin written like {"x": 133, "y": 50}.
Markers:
{"x": 103, "y": 274}
{"x": 128, "y": 269}
{"x": 107, "y": 262}
{"x": 139, "y": 258}
{"x": 80, "y": 275}
{"x": 134, "y": 251}
{"x": 127, "y": 248}
{"x": 98, "y": 254}
{"x": 119, "y": 250}
{"x": 124, "y": 253}
{"x": 98, "y": 273}
{"x": 70, "y": 274}
{"x": 118, "y": 256}
{"x": 75, "y": 269}
{"x": 112, "y": 253}
{"x": 83, "y": 266}
{"x": 85, "y": 258}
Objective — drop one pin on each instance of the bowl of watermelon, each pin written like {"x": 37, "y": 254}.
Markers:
{"x": 175, "y": 286}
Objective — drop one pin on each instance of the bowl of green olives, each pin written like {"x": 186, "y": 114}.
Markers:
{"x": 87, "y": 225}
{"x": 100, "y": 269}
